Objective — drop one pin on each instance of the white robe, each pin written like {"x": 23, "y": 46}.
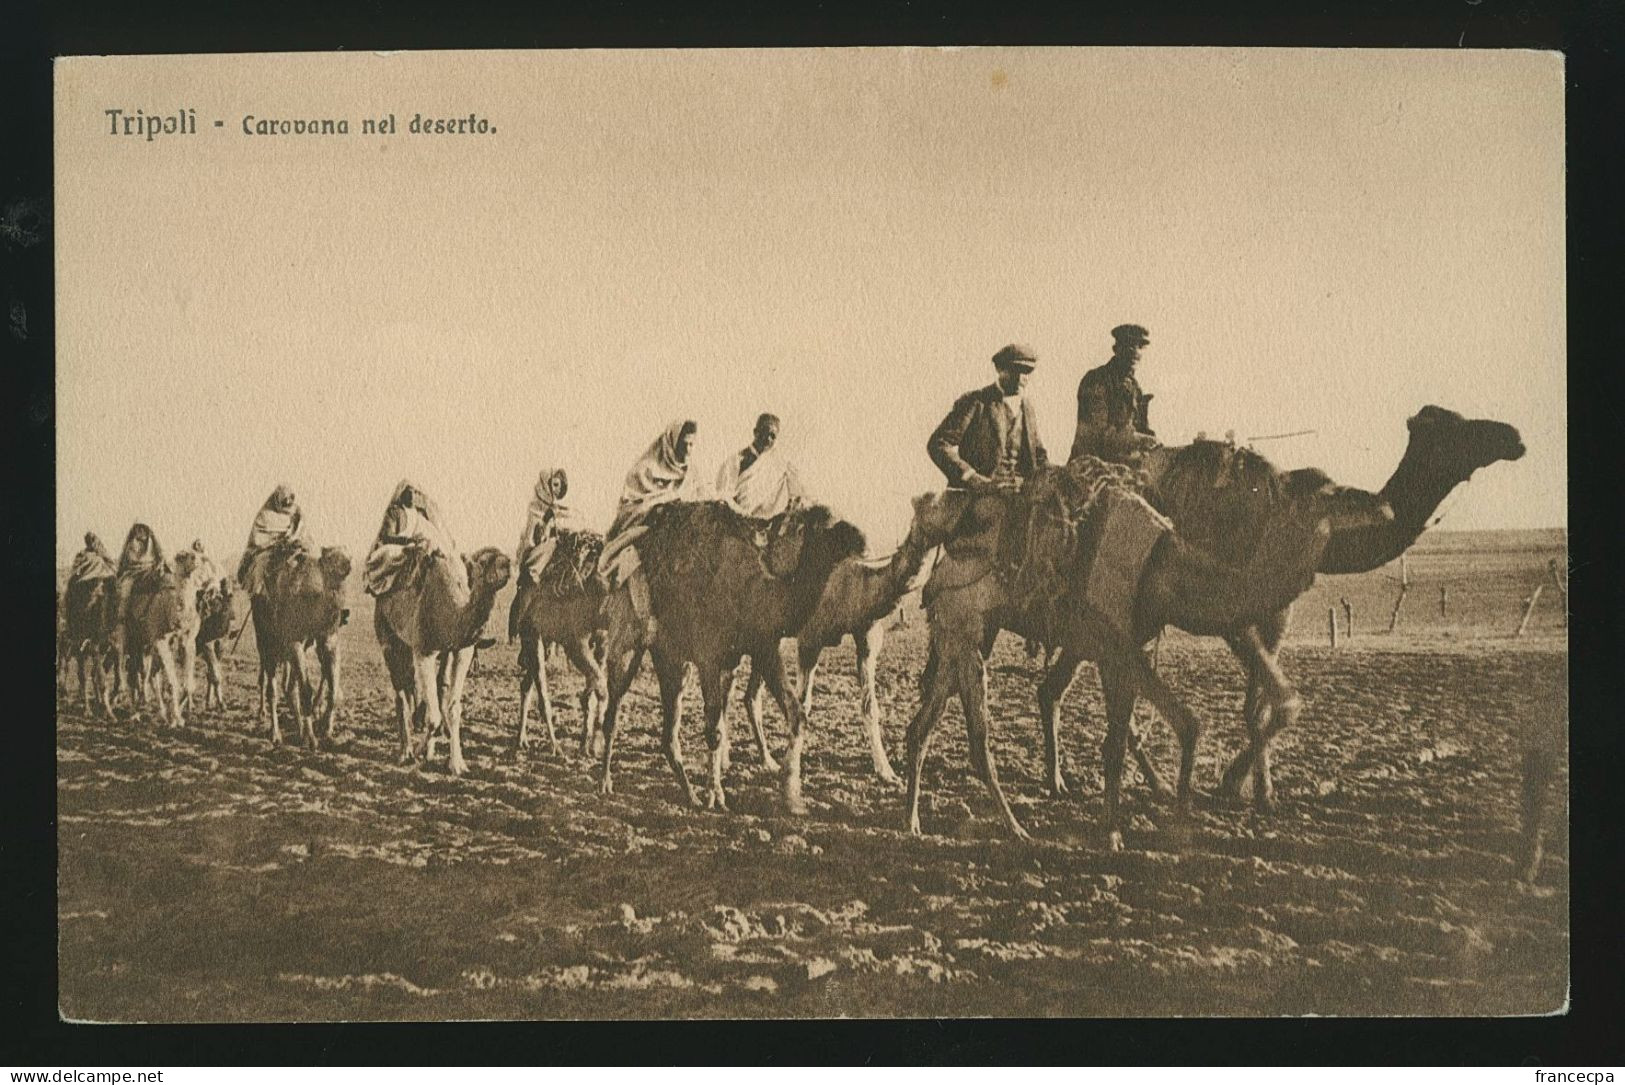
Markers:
{"x": 765, "y": 488}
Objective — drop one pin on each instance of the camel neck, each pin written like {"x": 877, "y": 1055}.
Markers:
{"x": 1414, "y": 491}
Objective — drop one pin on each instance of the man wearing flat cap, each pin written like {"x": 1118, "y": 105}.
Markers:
{"x": 990, "y": 441}
{"x": 1112, "y": 421}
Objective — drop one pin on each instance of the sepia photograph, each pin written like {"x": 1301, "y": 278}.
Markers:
{"x": 1042, "y": 532}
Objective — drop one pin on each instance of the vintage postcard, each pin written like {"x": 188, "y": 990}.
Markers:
{"x": 811, "y": 533}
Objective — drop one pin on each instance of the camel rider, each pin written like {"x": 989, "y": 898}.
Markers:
{"x": 412, "y": 519}
{"x": 659, "y": 476}
{"x": 141, "y": 557}
{"x": 990, "y": 440}
{"x": 546, "y": 514}
{"x": 207, "y": 572}
{"x": 1112, "y": 421}
{"x": 93, "y": 562}
{"x": 276, "y": 524}
{"x": 760, "y": 480}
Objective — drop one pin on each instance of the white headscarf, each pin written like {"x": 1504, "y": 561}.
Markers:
{"x": 436, "y": 530}
{"x": 545, "y": 511}
{"x": 276, "y": 520}
{"x": 657, "y": 477}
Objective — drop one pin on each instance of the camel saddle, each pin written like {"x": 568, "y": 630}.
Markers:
{"x": 1088, "y": 513}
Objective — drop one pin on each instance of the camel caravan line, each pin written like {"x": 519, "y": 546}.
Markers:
{"x": 1092, "y": 560}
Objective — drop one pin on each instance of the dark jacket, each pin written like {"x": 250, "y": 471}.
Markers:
{"x": 975, "y": 433}
{"x": 1111, "y": 413}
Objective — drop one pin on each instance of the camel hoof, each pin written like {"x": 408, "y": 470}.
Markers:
{"x": 605, "y": 787}
{"x": 716, "y": 800}
{"x": 796, "y": 806}
{"x": 771, "y": 763}
{"x": 459, "y": 767}
{"x": 891, "y": 778}
{"x": 914, "y": 826}
{"x": 1264, "y": 803}
{"x": 1114, "y": 840}
{"x": 1057, "y": 789}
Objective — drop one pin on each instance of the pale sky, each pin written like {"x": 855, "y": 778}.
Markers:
{"x": 1316, "y": 239}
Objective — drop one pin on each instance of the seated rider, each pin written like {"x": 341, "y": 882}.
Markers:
{"x": 411, "y": 519}
{"x": 660, "y": 475}
{"x": 543, "y": 518}
{"x": 93, "y": 562}
{"x": 1112, "y": 422}
{"x": 141, "y": 557}
{"x": 277, "y": 523}
{"x": 989, "y": 440}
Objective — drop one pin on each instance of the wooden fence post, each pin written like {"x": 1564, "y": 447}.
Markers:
{"x": 1444, "y": 594}
{"x": 1404, "y": 586}
{"x": 1331, "y": 624}
{"x": 1528, "y": 609}
{"x": 1348, "y": 618}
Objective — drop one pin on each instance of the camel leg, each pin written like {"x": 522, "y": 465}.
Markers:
{"x": 271, "y": 681}
{"x": 426, "y": 694}
{"x": 82, "y": 665}
{"x": 593, "y": 693}
{"x": 753, "y": 712}
{"x": 1186, "y": 724}
{"x": 544, "y": 700}
{"x": 622, "y": 657}
{"x": 770, "y": 665}
{"x": 300, "y": 694}
{"x": 1051, "y": 692}
{"x": 1276, "y": 706}
{"x": 868, "y": 644}
{"x": 169, "y": 669}
{"x": 459, "y": 664}
{"x": 714, "y": 689}
{"x": 669, "y": 673}
{"x": 331, "y": 658}
{"x": 1117, "y": 686}
{"x": 532, "y": 660}
{"x": 973, "y": 697}
{"x": 933, "y": 700}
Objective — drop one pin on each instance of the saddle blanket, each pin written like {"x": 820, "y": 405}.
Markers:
{"x": 1132, "y": 531}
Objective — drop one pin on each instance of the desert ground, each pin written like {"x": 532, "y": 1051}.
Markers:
{"x": 206, "y": 876}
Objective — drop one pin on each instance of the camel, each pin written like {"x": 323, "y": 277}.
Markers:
{"x": 87, "y": 639}
{"x": 565, "y": 608}
{"x": 216, "y": 614}
{"x": 859, "y": 596}
{"x": 304, "y": 605}
{"x": 1444, "y": 450}
{"x": 428, "y": 628}
{"x": 721, "y": 586}
{"x": 156, "y": 637}
{"x": 1180, "y": 585}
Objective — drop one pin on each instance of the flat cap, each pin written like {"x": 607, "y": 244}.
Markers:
{"x": 1131, "y": 333}
{"x": 1015, "y": 356}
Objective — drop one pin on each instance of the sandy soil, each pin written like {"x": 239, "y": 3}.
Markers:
{"x": 206, "y": 876}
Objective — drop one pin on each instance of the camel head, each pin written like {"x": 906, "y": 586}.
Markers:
{"x": 810, "y": 540}
{"x": 1455, "y": 446}
{"x": 940, "y": 516}
{"x": 334, "y": 563}
{"x": 489, "y": 570}
{"x": 185, "y": 565}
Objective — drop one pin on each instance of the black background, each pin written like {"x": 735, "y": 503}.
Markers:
{"x": 1588, "y": 33}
